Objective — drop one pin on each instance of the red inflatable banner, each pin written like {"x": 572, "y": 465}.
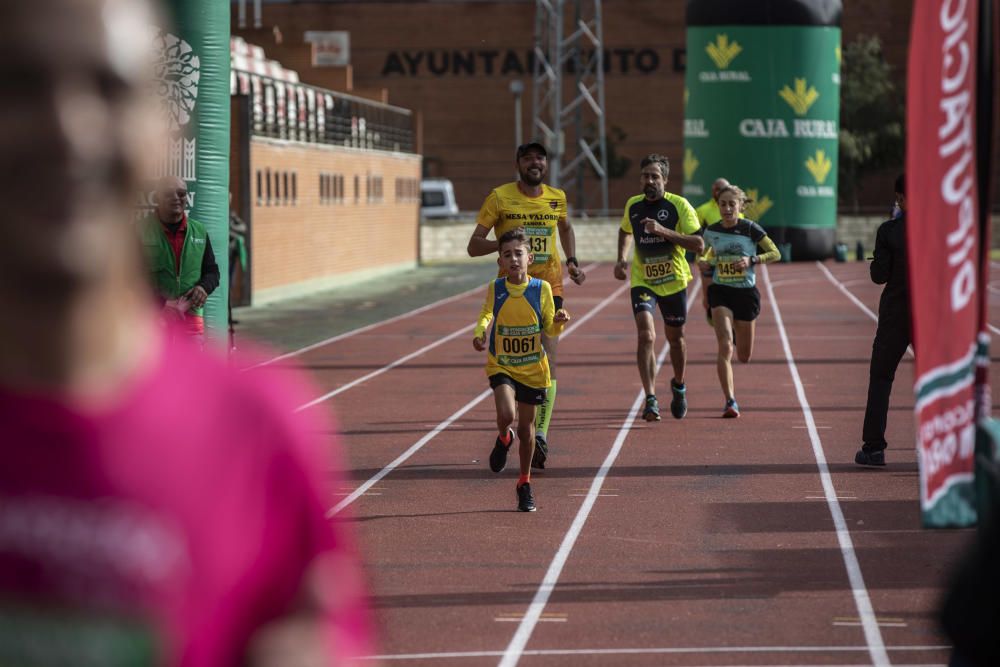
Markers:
{"x": 944, "y": 246}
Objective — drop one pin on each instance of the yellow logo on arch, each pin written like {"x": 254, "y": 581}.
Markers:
{"x": 758, "y": 206}
{"x": 690, "y": 164}
{"x": 819, "y": 166}
{"x": 801, "y": 98}
{"x": 722, "y": 51}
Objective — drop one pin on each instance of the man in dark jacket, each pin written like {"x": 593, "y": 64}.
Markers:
{"x": 892, "y": 336}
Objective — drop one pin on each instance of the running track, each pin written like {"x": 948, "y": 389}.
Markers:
{"x": 703, "y": 542}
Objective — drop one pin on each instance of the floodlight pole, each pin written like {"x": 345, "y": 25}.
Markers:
{"x": 574, "y": 132}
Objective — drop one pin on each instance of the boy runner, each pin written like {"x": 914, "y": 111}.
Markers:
{"x": 521, "y": 308}
{"x": 539, "y": 209}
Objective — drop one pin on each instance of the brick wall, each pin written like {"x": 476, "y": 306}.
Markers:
{"x": 851, "y": 229}
{"x": 597, "y": 238}
{"x": 326, "y": 233}
{"x": 468, "y": 119}
{"x": 446, "y": 240}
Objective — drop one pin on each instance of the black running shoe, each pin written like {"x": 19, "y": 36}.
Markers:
{"x": 870, "y": 457}
{"x": 679, "y": 403}
{"x": 541, "y": 453}
{"x": 651, "y": 412}
{"x": 498, "y": 457}
{"x": 525, "y": 501}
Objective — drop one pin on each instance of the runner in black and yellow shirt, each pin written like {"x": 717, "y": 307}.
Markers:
{"x": 663, "y": 226}
{"x": 734, "y": 247}
{"x": 540, "y": 210}
{"x": 521, "y": 309}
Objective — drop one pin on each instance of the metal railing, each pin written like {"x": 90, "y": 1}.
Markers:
{"x": 300, "y": 112}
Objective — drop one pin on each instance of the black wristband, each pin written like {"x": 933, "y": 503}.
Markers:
{"x": 754, "y": 259}
{"x": 573, "y": 261}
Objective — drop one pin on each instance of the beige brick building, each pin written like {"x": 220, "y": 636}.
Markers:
{"x": 345, "y": 213}
{"x": 329, "y": 183}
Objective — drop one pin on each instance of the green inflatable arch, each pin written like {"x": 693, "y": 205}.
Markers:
{"x": 762, "y": 106}
{"x": 194, "y": 74}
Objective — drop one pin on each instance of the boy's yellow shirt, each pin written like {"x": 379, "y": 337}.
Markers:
{"x": 519, "y": 313}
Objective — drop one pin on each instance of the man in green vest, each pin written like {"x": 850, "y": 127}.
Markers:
{"x": 179, "y": 256}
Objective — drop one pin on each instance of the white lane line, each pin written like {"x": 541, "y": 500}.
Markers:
{"x": 415, "y": 447}
{"x": 868, "y": 311}
{"x": 850, "y": 295}
{"x": 515, "y": 649}
{"x": 367, "y": 327}
{"x": 696, "y": 650}
{"x": 862, "y": 601}
{"x": 390, "y": 366}
{"x": 386, "y": 368}
{"x": 399, "y": 460}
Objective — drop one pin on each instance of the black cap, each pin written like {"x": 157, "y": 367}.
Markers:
{"x": 531, "y": 146}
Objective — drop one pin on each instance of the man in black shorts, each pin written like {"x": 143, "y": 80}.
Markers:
{"x": 663, "y": 226}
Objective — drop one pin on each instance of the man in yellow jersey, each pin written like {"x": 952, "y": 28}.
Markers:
{"x": 663, "y": 225}
{"x": 539, "y": 209}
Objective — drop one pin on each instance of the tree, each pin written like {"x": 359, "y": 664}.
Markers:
{"x": 872, "y": 135}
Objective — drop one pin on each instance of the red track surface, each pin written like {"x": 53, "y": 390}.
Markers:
{"x": 711, "y": 542}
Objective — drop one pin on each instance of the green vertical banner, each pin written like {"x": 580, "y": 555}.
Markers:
{"x": 193, "y": 72}
{"x": 762, "y": 106}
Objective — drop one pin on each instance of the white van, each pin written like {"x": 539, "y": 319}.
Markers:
{"x": 437, "y": 198}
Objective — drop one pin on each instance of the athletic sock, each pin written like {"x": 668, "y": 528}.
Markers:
{"x": 523, "y": 479}
{"x": 507, "y": 438}
{"x": 545, "y": 411}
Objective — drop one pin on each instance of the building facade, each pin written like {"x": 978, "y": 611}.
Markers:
{"x": 328, "y": 183}
{"x": 452, "y": 62}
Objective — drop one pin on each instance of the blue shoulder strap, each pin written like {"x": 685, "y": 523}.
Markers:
{"x": 533, "y": 293}
{"x": 499, "y": 296}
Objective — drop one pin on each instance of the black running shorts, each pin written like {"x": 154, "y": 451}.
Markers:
{"x": 673, "y": 307}
{"x": 522, "y": 392}
{"x": 743, "y": 301}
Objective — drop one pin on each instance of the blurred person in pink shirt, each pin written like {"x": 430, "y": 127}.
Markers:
{"x": 156, "y": 506}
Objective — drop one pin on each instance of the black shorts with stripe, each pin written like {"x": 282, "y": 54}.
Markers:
{"x": 673, "y": 307}
{"x": 522, "y": 392}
